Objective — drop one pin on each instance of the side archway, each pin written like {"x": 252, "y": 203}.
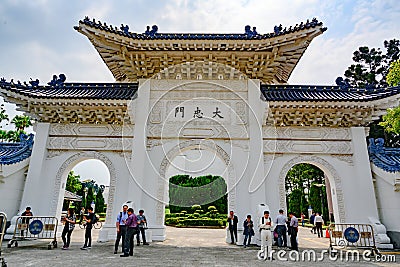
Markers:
{"x": 166, "y": 162}
{"x": 325, "y": 166}
{"x": 67, "y": 166}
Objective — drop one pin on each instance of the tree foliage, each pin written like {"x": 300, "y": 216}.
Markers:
{"x": 393, "y": 77}
{"x": 371, "y": 65}
{"x": 73, "y": 185}
{"x": 21, "y": 122}
{"x": 300, "y": 184}
{"x": 186, "y": 191}
{"x": 391, "y": 120}
{"x": 100, "y": 203}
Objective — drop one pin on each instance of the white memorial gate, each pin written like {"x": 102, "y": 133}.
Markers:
{"x": 224, "y": 93}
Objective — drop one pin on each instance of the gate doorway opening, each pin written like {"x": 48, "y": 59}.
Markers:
{"x": 307, "y": 191}
{"x": 87, "y": 184}
{"x": 197, "y": 191}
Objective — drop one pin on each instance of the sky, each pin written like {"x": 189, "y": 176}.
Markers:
{"x": 37, "y": 38}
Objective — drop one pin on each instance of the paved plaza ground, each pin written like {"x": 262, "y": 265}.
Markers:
{"x": 183, "y": 247}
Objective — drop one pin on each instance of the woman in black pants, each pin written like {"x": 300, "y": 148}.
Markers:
{"x": 68, "y": 228}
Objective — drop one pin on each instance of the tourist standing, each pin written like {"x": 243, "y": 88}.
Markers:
{"x": 131, "y": 226}
{"x": 88, "y": 218}
{"x": 248, "y": 231}
{"x": 266, "y": 235}
{"x": 302, "y": 219}
{"x": 318, "y": 222}
{"x": 312, "y": 219}
{"x": 69, "y": 225}
{"x": 27, "y": 213}
{"x": 232, "y": 224}
{"x": 142, "y": 223}
{"x": 294, "y": 227}
{"x": 121, "y": 228}
{"x": 281, "y": 229}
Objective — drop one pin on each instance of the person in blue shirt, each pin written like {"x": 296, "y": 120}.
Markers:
{"x": 142, "y": 223}
{"x": 121, "y": 227}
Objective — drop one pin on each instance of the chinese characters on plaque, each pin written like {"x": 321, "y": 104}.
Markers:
{"x": 197, "y": 113}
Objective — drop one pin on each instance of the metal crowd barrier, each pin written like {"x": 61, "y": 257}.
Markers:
{"x": 33, "y": 228}
{"x": 350, "y": 235}
{"x": 3, "y": 223}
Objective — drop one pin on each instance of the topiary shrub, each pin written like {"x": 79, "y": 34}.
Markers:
{"x": 196, "y": 207}
{"x": 210, "y": 208}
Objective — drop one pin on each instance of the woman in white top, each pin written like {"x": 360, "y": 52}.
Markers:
{"x": 318, "y": 222}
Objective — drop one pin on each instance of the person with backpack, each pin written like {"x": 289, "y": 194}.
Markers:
{"x": 90, "y": 219}
{"x": 142, "y": 223}
{"x": 266, "y": 235}
{"x": 121, "y": 228}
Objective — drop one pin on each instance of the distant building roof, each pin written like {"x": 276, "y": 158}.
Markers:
{"x": 72, "y": 196}
{"x": 11, "y": 153}
{"x": 388, "y": 159}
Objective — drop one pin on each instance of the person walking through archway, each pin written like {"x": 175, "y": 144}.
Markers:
{"x": 318, "y": 222}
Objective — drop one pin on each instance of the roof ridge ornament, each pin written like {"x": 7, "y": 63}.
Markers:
{"x": 250, "y": 33}
{"x": 57, "y": 81}
{"x": 152, "y": 32}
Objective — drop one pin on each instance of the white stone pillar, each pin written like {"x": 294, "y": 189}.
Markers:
{"x": 361, "y": 195}
{"x": 39, "y": 202}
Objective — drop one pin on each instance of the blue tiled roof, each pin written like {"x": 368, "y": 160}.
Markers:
{"x": 11, "y": 153}
{"x": 388, "y": 159}
{"x": 153, "y": 34}
{"x": 117, "y": 91}
{"x": 324, "y": 93}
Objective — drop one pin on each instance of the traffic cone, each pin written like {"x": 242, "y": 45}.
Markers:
{"x": 327, "y": 235}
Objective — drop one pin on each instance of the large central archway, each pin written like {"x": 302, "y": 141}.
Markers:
{"x": 184, "y": 146}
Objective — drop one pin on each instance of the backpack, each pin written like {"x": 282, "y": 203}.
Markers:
{"x": 94, "y": 219}
{"x": 263, "y": 221}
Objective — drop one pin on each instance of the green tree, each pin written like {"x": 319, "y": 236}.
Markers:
{"x": 3, "y": 114}
{"x": 90, "y": 197}
{"x": 297, "y": 202}
{"x": 21, "y": 122}
{"x": 185, "y": 191}
{"x": 73, "y": 185}
{"x": 393, "y": 77}
{"x": 99, "y": 202}
{"x": 3, "y": 135}
{"x": 391, "y": 120}
{"x": 372, "y": 65}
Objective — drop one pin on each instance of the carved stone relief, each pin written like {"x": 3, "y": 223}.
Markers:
{"x": 309, "y": 146}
